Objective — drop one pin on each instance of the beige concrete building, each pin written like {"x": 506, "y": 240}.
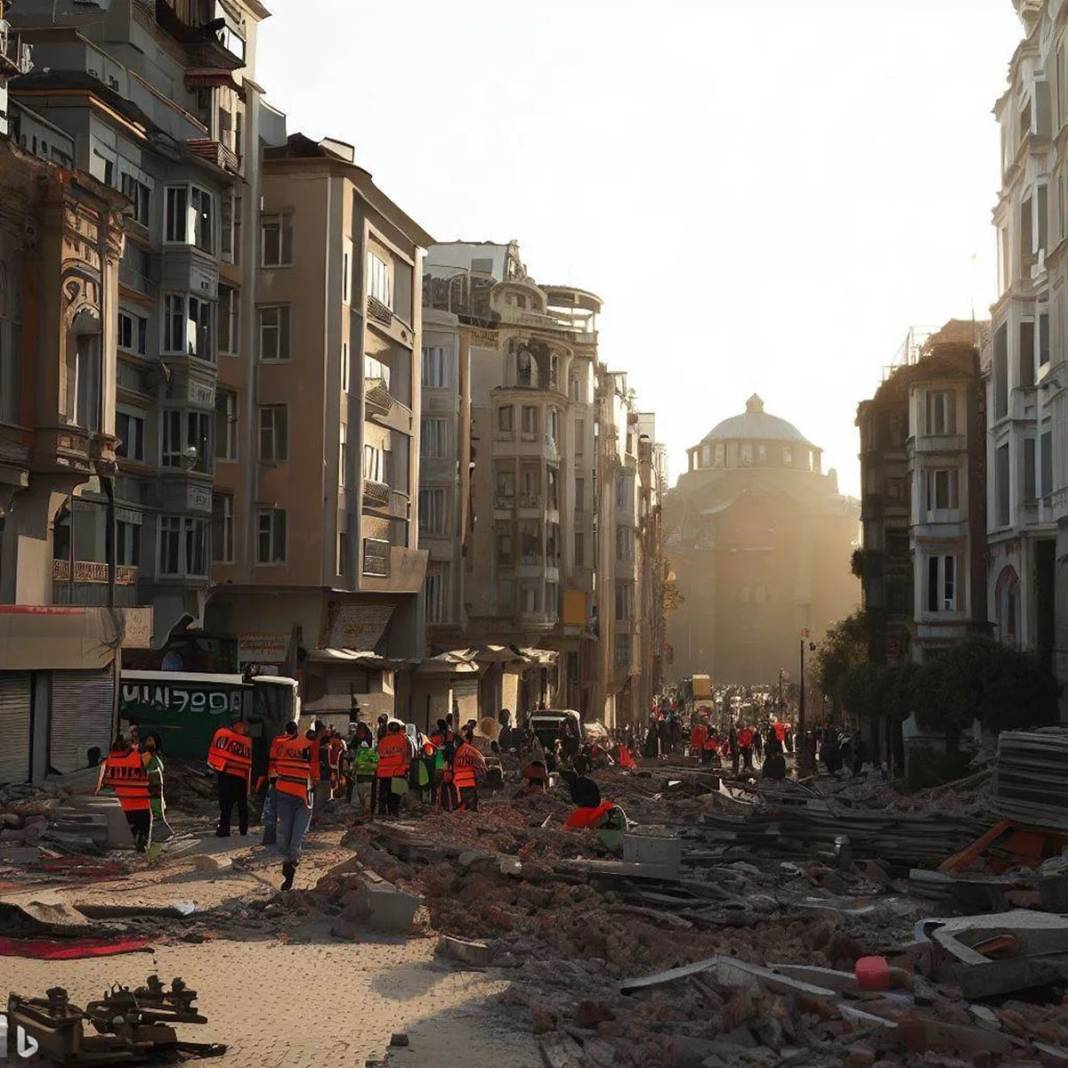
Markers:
{"x": 315, "y": 511}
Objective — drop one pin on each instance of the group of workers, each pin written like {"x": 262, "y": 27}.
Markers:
{"x": 134, "y": 770}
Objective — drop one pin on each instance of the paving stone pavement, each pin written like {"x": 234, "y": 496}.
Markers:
{"x": 307, "y": 1005}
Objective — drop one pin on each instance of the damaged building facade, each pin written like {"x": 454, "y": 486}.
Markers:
{"x": 530, "y": 497}
{"x": 760, "y": 540}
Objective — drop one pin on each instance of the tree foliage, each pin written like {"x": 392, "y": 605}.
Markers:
{"x": 844, "y": 647}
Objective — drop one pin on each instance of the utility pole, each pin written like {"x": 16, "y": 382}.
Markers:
{"x": 801, "y": 703}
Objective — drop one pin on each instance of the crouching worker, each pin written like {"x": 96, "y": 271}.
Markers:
{"x": 592, "y": 813}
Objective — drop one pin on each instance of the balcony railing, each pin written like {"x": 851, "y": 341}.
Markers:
{"x": 94, "y": 571}
{"x": 15, "y": 57}
{"x": 376, "y": 554}
{"x": 377, "y": 397}
{"x": 379, "y": 311}
{"x": 214, "y": 152}
{"x": 530, "y": 500}
{"x": 376, "y": 494}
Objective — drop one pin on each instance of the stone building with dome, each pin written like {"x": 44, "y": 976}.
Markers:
{"x": 760, "y": 541}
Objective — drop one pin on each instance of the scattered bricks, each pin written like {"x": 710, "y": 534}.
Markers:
{"x": 541, "y": 1020}
{"x": 475, "y": 954}
{"x": 859, "y": 1057}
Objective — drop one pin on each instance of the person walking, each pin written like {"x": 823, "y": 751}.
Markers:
{"x": 269, "y": 813}
{"x": 296, "y": 774}
{"x": 124, "y": 771}
{"x": 230, "y": 754}
{"x": 318, "y": 737}
{"x": 394, "y": 761}
{"x": 745, "y": 746}
{"x": 469, "y": 765}
{"x": 154, "y": 767}
{"x": 698, "y": 737}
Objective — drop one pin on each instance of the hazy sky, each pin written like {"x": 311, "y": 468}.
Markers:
{"x": 766, "y": 195}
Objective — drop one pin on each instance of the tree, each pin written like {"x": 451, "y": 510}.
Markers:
{"x": 983, "y": 679}
{"x": 844, "y": 647}
{"x": 671, "y": 594}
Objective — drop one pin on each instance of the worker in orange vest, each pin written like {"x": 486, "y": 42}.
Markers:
{"x": 468, "y": 766}
{"x": 295, "y": 774}
{"x": 266, "y": 784}
{"x": 230, "y": 754}
{"x": 394, "y": 761}
{"x": 745, "y": 745}
{"x": 698, "y": 737}
{"x": 124, "y": 771}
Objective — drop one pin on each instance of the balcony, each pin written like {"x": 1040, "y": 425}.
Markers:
{"x": 93, "y": 571}
{"x": 15, "y": 57}
{"x": 392, "y": 568}
{"x": 379, "y": 311}
{"x": 530, "y": 500}
{"x": 216, "y": 44}
{"x": 215, "y": 153}
{"x": 375, "y": 494}
{"x": 381, "y": 406}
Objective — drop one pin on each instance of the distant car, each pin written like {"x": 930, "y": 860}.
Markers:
{"x": 549, "y": 725}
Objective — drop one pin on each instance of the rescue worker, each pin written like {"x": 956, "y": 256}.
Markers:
{"x": 594, "y": 813}
{"x": 320, "y": 741}
{"x": 230, "y": 754}
{"x": 468, "y": 766}
{"x": 269, "y": 814}
{"x": 296, "y": 774}
{"x": 745, "y": 746}
{"x": 698, "y": 737}
{"x": 154, "y": 767}
{"x": 711, "y": 748}
{"x": 124, "y": 771}
{"x": 394, "y": 762}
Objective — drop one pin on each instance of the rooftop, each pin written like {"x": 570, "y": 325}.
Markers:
{"x": 755, "y": 424}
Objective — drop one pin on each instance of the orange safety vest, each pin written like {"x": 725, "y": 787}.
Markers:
{"x": 464, "y": 763}
{"x": 698, "y": 736}
{"x": 580, "y": 818}
{"x": 780, "y": 731}
{"x": 745, "y": 738}
{"x": 231, "y": 753}
{"x": 125, "y": 774}
{"x": 293, "y": 767}
{"x": 393, "y": 756}
{"x": 711, "y": 742}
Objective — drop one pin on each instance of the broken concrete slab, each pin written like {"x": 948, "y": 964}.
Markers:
{"x": 475, "y": 954}
{"x": 379, "y": 905}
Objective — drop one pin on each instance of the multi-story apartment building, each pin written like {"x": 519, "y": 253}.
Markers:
{"x": 156, "y": 101}
{"x": 923, "y": 508}
{"x": 318, "y": 448}
{"x": 1024, "y": 364}
{"x": 531, "y": 353}
{"x": 61, "y": 239}
{"x": 15, "y": 59}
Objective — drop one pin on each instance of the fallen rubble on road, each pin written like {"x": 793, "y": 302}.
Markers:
{"x": 758, "y": 948}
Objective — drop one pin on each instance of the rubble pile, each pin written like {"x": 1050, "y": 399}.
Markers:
{"x": 732, "y": 961}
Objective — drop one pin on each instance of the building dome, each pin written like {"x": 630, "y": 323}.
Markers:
{"x": 755, "y": 424}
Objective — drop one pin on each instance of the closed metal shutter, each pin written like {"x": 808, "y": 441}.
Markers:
{"x": 81, "y": 717}
{"x": 15, "y": 728}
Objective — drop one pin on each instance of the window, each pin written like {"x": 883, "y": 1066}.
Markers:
{"x": 553, "y": 429}
{"x": 941, "y": 583}
{"x": 379, "y": 283}
{"x": 554, "y": 371}
{"x": 346, "y": 272}
{"x": 183, "y": 548}
{"x": 231, "y": 227}
{"x": 434, "y": 437}
{"x": 436, "y": 367}
{"x": 271, "y": 536}
{"x": 942, "y": 489}
{"x": 373, "y": 368}
{"x": 580, "y": 436}
{"x": 530, "y": 488}
{"x": 530, "y": 419}
{"x": 190, "y": 217}
{"x": 505, "y": 546}
{"x": 374, "y": 468}
{"x": 137, "y": 193}
{"x": 1001, "y": 484}
{"x": 432, "y": 508}
{"x": 342, "y": 454}
{"x": 127, "y": 544}
{"x": 1030, "y": 469}
{"x": 505, "y": 415}
{"x": 343, "y": 564}
{"x": 1046, "y": 457}
{"x": 552, "y": 544}
{"x": 133, "y": 332}
{"x": 1027, "y": 353}
{"x": 506, "y": 486}
{"x": 276, "y": 240}
{"x": 941, "y": 412}
{"x": 1000, "y": 371}
{"x": 552, "y": 487}
{"x": 529, "y": 598}
{"x": 624, "y": 491}
{"x": 346, "y": 367}
{"x": 170, "y": 453}
{"x": 1043, "y": 339}
{"x": 762, "y": 455}
{"x": 187, "y": 326}
{"x": 274, "y": 331}
{"x": 222, "y": 528}
{"x": 229, "y": 320}
{"x": 719, "y": 454}
{"x": 552, "y": 598}
{"x": 225, "y": 425}
{"x": 622, "y": 650}
{"x": 274, "y": 435}
{"x": 746, "y": 453}
{"x": 524, "y": 368}
{"x": 624, "y": 544}
{"x": 580, "y": 549}
{"x": 130, "y": 430}
{"x": 530, "y": 549}
{"x": 435, "y": 596}
{"x": 198, "y": 444}
{"x": 787, "y": 456}
{"x": 580, "y": 494}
